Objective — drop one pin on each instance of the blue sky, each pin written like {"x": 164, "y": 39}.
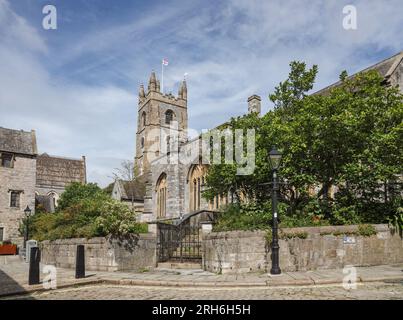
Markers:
{"x": 77, "y": 85}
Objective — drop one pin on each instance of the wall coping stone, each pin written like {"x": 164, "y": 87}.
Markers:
{"x": 95, "y": 240}
{"x": 310, "y": 230}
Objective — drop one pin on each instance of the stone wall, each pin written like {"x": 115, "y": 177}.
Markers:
{"x": 103, "y": 254}
{"x": 246, "y": 251}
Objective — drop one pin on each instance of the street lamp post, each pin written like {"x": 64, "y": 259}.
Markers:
{"x": 27, "y": 212}
{"x": 275, "y": 160}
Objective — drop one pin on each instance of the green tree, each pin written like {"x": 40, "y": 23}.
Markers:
{"x": 349, "y": 138}
{"x": 76, "y": 192}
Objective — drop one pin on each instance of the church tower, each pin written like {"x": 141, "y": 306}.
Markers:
{"x": 160, "y": 116}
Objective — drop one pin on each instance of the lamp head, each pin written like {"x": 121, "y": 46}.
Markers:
{"x": 275, "y": 158}
{"x": 27, "y": 211}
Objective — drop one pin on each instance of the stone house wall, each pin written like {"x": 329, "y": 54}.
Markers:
{"x": 247, "y": 251}
{"x": 103, "y": 254}
{"x": 20, "y": 177}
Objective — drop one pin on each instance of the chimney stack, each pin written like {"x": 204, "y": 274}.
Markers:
{"x": 254, "y": 104}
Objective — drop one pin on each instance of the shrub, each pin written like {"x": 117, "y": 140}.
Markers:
{"x": 118, "y": 220}
{"x": 395, "y": 222}
{"x": 85, "y": 211}
{"x": 243, "y": 217}
{"x": 254, "y": 216}
{"x": 291, "y": 235}
{"x": 366, "y": 230}
{"x": 345, "y": 215}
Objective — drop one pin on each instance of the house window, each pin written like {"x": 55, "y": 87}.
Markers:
{"x": 1, "y": 234}
{"x": 15, "y": 199}
{"x": 7, "y": 160}
{"x": 169, "y": 115}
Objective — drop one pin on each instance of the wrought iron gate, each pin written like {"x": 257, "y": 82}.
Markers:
{"x": 181, "y": 242}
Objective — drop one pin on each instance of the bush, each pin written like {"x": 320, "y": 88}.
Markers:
{"x": 395, "y": 222}
{"x": 254, "y": 216}
{"x": 243, "y": 217}
{"x": 345, "y": 215}
{"x": 118, "y": 220}
{"x": 366, "y": 230}
{"x": 85, "y": 211}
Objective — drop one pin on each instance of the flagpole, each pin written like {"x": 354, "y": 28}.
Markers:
{"x": 162, "y": 77}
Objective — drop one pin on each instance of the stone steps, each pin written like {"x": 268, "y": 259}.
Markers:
{"x": 179, "y": 265}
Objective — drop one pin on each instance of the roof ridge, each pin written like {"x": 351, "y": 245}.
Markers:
{"x": 60, "y": 157}
{"x": 398, "y": 57}
{"x": 379, "y": 63}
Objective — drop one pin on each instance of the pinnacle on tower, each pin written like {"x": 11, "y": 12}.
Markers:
{"x": 184, "y": 90}
{"x": 152, "y": 84}
{"x": 142, "y": 94}
{"x": 158, "y": 86}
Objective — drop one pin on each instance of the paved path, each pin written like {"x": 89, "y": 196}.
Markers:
{"x": 14, "y": 278}
{"x": 373, "y": 291}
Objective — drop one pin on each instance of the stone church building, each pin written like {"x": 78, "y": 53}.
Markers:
{"x": 166, "y": 159}
{"x": 173, "y": 172}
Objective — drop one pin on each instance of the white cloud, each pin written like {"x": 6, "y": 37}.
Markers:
{"x": 70, "y": 119}
{"x": 230, "y": 51}
{"x": 16, "y": 32}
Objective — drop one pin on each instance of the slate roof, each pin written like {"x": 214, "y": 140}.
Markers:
{"x": 56, "y": 172}
{"x": 18, "y": 141}
{"x": 135, "y": 189}
{"x": 385, "y": 68}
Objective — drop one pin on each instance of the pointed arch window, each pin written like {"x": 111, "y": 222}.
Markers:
{"x": 196, "y": 180}
{"x": 161, "y": 192}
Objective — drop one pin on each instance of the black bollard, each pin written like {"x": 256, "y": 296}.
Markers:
{"x": 34, "y": 259}
{"x": 80, "y": 262}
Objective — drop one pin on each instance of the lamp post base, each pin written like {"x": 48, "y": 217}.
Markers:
{"x": 275, "y": 271}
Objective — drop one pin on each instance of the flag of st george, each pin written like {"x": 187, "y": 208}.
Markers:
{"x": 165, "y": 61}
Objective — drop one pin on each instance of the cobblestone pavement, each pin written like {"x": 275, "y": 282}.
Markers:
{"x": 375, "y": 290}
{"x": 166, "y": 283}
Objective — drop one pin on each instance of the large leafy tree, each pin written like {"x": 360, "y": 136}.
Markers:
{"x": 345, "y": 144}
